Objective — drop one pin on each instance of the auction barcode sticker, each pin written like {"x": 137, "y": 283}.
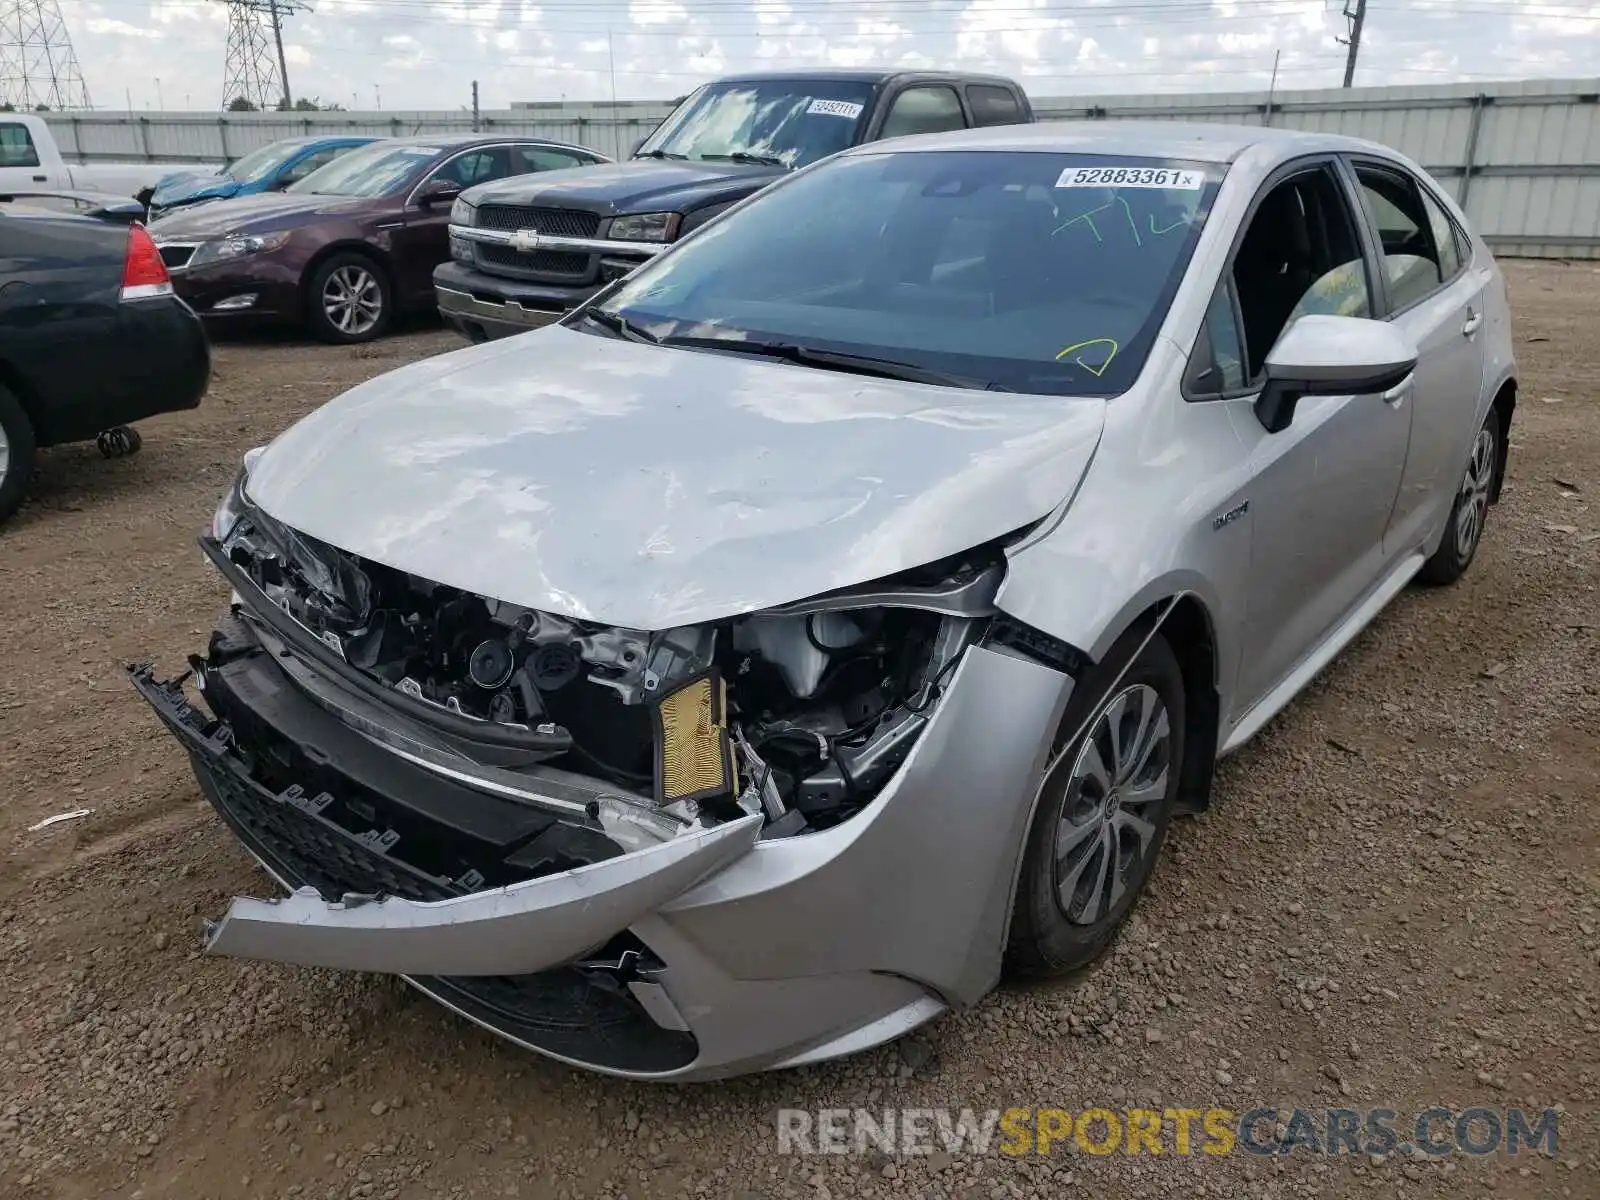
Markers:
{"x": 1132, "y": 177}
{"x": 835, "y": 108}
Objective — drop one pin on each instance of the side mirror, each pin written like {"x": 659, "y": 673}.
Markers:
{"x": 1322, "y": 355}
{"x": 282, "y": 182}
{"x": 439, "y": 191}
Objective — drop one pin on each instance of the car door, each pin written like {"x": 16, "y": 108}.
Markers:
{"x": 1438, "y": 300}
{"x": 1321, "y": 490}
{"x": 422, "y": 242}
{"x": 19, "y": 158}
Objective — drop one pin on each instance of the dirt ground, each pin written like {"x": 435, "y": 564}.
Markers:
{"x": 1395, "y": 900}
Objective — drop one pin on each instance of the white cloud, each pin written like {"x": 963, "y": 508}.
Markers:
{"x": 113, "y": 28}
{"x": 657, "y": 12}
{"x": 426, "y": 55}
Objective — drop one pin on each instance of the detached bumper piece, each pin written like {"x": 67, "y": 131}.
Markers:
{"x": 531, "y": 941}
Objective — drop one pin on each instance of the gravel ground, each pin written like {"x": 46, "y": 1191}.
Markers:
{"x": 1395, "y": 900}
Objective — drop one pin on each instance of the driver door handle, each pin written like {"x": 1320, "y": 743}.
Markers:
{"x": 1474, "y": 320}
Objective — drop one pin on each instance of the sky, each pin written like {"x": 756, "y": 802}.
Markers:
{"x": 424, "y": 54}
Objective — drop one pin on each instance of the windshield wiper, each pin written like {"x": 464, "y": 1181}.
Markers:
{"x": 744, "y": 156}
{"x": 619, "y": 325}
{"x": 660, "y": 154}
{"x": 836, "y": 360}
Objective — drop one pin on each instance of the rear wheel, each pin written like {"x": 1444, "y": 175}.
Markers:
{"x": 349, "y": 300}
{"x": 1104, "y": 812}
{"x": 1464, "y": 529}
{"x": 16, "y": 452}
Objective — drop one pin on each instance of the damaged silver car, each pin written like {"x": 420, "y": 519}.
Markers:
{"x": 830, "y": 617}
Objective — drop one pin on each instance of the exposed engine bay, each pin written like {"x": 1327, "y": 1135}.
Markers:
{"x": 801, "y": 714}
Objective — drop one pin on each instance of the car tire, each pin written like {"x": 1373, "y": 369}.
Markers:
{"x": 16, "y": 452}
{"x": 349, "y": 300}
{"x": 1109, "y": 800}
{"x": 1463, "y": 531}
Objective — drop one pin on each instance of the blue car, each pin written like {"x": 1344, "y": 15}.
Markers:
{"x": 269, "y": 169}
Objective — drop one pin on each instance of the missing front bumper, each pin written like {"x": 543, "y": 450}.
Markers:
{"x": 407, "y": 921}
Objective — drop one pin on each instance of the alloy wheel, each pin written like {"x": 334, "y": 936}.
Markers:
{"x": 5, "y": 454}
{"x": 352, "y": 300}
{"x": 1107, "y": 826}
{"x": 1473, "y": 504}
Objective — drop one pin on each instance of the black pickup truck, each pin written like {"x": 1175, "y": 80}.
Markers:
{"x": 526, "y": 249}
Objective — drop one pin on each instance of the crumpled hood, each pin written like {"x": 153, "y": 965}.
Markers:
{"x": 190, "y": 188}
{"x": 650, "y": 487}
{"x": 253, "y": 214}
{"x": 638, "y": 185}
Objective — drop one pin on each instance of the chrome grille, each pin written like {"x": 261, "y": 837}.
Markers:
{"x": 558, "y": 222}
{"x": 540, "y": 262}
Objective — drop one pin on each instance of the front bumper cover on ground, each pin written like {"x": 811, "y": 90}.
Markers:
{"x": 712, "y": 954}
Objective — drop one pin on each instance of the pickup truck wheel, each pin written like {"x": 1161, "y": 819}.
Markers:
{"x": 16, "y": 452}
{"x": 349, "y": 300}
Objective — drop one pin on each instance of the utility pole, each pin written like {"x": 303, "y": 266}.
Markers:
{"x": 474, "y": 106}
{"x": 1272, "y": 89}
{"x": 611, "y": 53}
{"x": 1357, "y": 19}
{"x": 249, "y": 62}
{"x": 283, "y": 66}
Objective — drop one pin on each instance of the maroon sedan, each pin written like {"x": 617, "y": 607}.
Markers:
{"x": 349, "y": 245}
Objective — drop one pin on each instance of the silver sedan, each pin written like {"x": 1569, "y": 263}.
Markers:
{"x": 829, "y": 619}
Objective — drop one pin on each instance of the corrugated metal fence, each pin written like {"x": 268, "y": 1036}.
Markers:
{"x": 1523, "y": 158}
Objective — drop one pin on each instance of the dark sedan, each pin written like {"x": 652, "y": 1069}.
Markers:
{"x": 349, "y": 246}
{"x": 91, "y": 337}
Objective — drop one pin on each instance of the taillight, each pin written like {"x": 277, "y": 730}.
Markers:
{"x": 143, "y": 272}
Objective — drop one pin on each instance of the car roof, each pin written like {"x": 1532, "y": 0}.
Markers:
{"x": 837, "y": 75}
{"x": 459, "y": 141}
{"x": 1194, "y": 140}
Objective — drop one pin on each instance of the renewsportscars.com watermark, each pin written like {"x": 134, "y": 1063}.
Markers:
{"x": 1214, "y": 1131}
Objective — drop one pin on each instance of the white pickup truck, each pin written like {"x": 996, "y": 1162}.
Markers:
{"x": 30, "y": 161}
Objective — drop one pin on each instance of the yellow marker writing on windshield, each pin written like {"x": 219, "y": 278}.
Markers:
{"x": 1096, "y": 371}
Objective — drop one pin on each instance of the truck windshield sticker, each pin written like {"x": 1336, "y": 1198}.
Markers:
{"x": 1132, "y": 177}
{"x": 835, "y": 108}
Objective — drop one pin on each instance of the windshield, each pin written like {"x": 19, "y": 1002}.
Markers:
{"x": 792, "y": 122}
{"x": 375, "y": 170}
{"x": 1031, "y": 272}
{"x": 259, "y": 164}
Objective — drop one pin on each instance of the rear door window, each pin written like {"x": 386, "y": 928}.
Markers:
{"x": 1412, "y": 263}
{"x": 314, "y": 161}
{"x": 529, "y": 159}
{"x": 16, "y": 146}
{"x": 923, "y": 110}
{"x": 993, "y": 105}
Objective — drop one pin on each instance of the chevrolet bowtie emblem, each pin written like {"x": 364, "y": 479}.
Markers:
{"x": 525, "y": 240}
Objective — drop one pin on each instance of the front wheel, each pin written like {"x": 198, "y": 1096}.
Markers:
{"x": 1104, "y": 810}
{"x": 1469, "y": 512}
{"x": 349, "y": 300}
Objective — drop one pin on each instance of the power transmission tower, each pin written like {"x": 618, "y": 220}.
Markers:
{"x": 254, "y": 68}
{"x": 1357, "y": 19}
{"x": 37, "y": 65}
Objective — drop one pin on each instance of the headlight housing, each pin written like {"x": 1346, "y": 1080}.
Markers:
{"x": 646, "y": 227}
{"x": 233, "y": 503}
{"x": 462, "y": 213}
{"x": 237, "y": 246}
